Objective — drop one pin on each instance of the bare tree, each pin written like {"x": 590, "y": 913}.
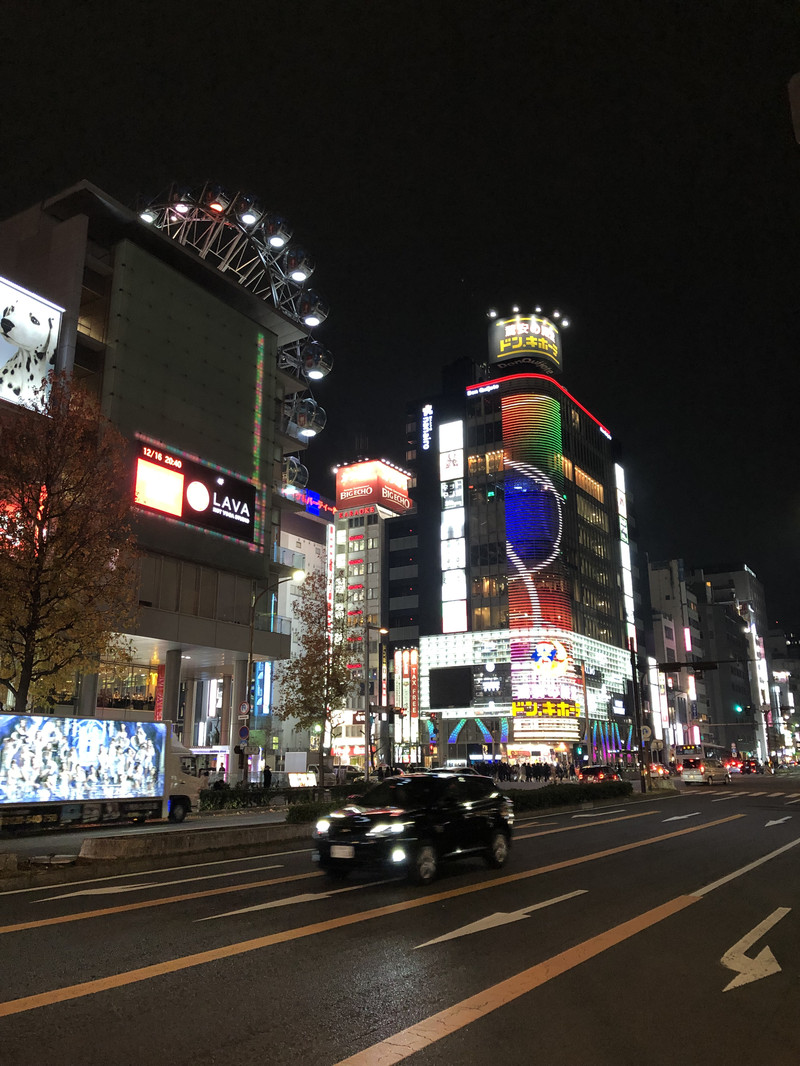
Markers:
{"x": 316, "y": 681}
{"x": 67, "y": 554}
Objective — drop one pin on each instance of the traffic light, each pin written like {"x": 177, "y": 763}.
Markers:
{"x": 738, "y": 708}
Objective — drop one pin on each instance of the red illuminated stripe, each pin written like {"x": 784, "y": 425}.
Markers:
{"x": 473, "y": 390}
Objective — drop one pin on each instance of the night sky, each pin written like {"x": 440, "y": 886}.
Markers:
{"x": 631, "y": 163}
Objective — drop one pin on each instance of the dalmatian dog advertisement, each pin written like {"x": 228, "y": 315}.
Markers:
{"x": 29, "y": 327}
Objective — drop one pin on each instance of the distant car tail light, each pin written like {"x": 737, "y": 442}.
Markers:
{"x": 600, "y": 776}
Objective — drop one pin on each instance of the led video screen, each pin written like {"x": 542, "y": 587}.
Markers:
{"x": 45, "y": 760}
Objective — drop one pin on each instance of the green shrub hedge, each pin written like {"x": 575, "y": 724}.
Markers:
{"x": 308, "y": 812}
{"x": 567, "y": 795}
{"x": 238, "y": 798}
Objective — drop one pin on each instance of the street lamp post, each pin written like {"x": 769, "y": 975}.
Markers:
{"x": 297, "y": 577}
{"x": 367, "y": 705}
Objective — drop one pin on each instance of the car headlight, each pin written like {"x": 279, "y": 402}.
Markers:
{"x": 323, "y": 825}
{"x": 385, "y": 828}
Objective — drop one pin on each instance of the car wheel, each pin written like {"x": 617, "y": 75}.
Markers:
{"x": 497, "y": 852}
{"x": 727, "y": 779}
{"x": 177, "y": 811}
{"x": 424, "y": 865}
{"x": 710, "y": 780}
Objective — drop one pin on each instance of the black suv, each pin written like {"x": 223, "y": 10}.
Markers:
{"x": 413, "y": 822}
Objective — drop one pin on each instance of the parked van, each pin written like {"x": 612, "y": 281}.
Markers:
{"x": 706, "y": 770}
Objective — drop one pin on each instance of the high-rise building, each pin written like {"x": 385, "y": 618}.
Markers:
{"x": 374, "y": 726}
{"x": 524, "y": 566}
{"x": 736, "y": 585}
{"x": 190, "y": 322}
{"x": 680, "y": 706}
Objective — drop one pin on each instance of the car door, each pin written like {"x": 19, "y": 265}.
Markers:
{"x": 447, "y": 814}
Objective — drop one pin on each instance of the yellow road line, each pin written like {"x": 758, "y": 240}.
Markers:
{"x": 144, "y": 904}
{"x": 146, "y": 973}
{"x": 468, "y": 1011}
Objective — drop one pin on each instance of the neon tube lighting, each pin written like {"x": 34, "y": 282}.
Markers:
{"x": 472, "y": 390}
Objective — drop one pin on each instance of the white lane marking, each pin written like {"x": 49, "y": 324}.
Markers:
{"x": 109, "y": 890}
{"x": 599, "y": 814}
{"x": 500, "y": 918}
{"x": 764, "y": 964}
{"x": 305, "y": 897}
{"x": 790, "y": 802}
{"x": 724, "y": 799}
{"x": 777, "y": 821}
{"x": 159, "y": 870}
{"x": 758, "y": 793}
{"x": 773, "y": 795}
{"x": 681, "y": 817}
{"x": 744, "y": 869}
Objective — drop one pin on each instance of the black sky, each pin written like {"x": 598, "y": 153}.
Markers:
{"x": 630, "y": 163}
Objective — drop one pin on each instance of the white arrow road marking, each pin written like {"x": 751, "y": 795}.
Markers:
{"x": 786, "y": 818}
{"x": 500, "y": 918}
{"x": 764, "y": 964}
{"x": 305, "y": 897}
{"x": 599, "y": 814}
{"x": 108, "y": 890}
{"x": 681, "y": 817}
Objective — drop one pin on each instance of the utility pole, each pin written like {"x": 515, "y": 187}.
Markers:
{"x": 637, "y": 714}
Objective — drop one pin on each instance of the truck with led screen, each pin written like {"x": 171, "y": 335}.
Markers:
{"x": 56, "y": 771}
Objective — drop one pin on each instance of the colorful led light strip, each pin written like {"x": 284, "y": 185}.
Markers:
{"x": 259, "y": 522}
{"x": 487, "y": 736}
{"x": 453, "y": 736}
{"x": 504, "y": 731}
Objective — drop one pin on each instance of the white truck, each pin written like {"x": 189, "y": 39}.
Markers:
{"x": 66, "y": 771}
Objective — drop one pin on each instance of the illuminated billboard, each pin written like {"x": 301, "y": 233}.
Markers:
{"x": 169, "y": 483}
{"x": 524, "y": 336}
{"x": 45, "y": 760}
{"x": 29, "y": 327}
{"x": 372, "y": 482}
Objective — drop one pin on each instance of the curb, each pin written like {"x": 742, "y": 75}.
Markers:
{"x": 109, "y": 856}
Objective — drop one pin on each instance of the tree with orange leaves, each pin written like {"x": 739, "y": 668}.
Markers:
{"x": 67, "y": 553}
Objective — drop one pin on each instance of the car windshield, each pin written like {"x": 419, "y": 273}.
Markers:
{"x": 402, "y": 792}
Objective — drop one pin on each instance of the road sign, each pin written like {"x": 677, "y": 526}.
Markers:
{"x": 244, "y": 733}
{"x": 244, "y": 709}
{"x": 251, "y": 749}
{"x": 647, "y": 732}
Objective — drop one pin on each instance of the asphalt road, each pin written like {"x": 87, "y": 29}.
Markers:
{"x": 661, "y": 931}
